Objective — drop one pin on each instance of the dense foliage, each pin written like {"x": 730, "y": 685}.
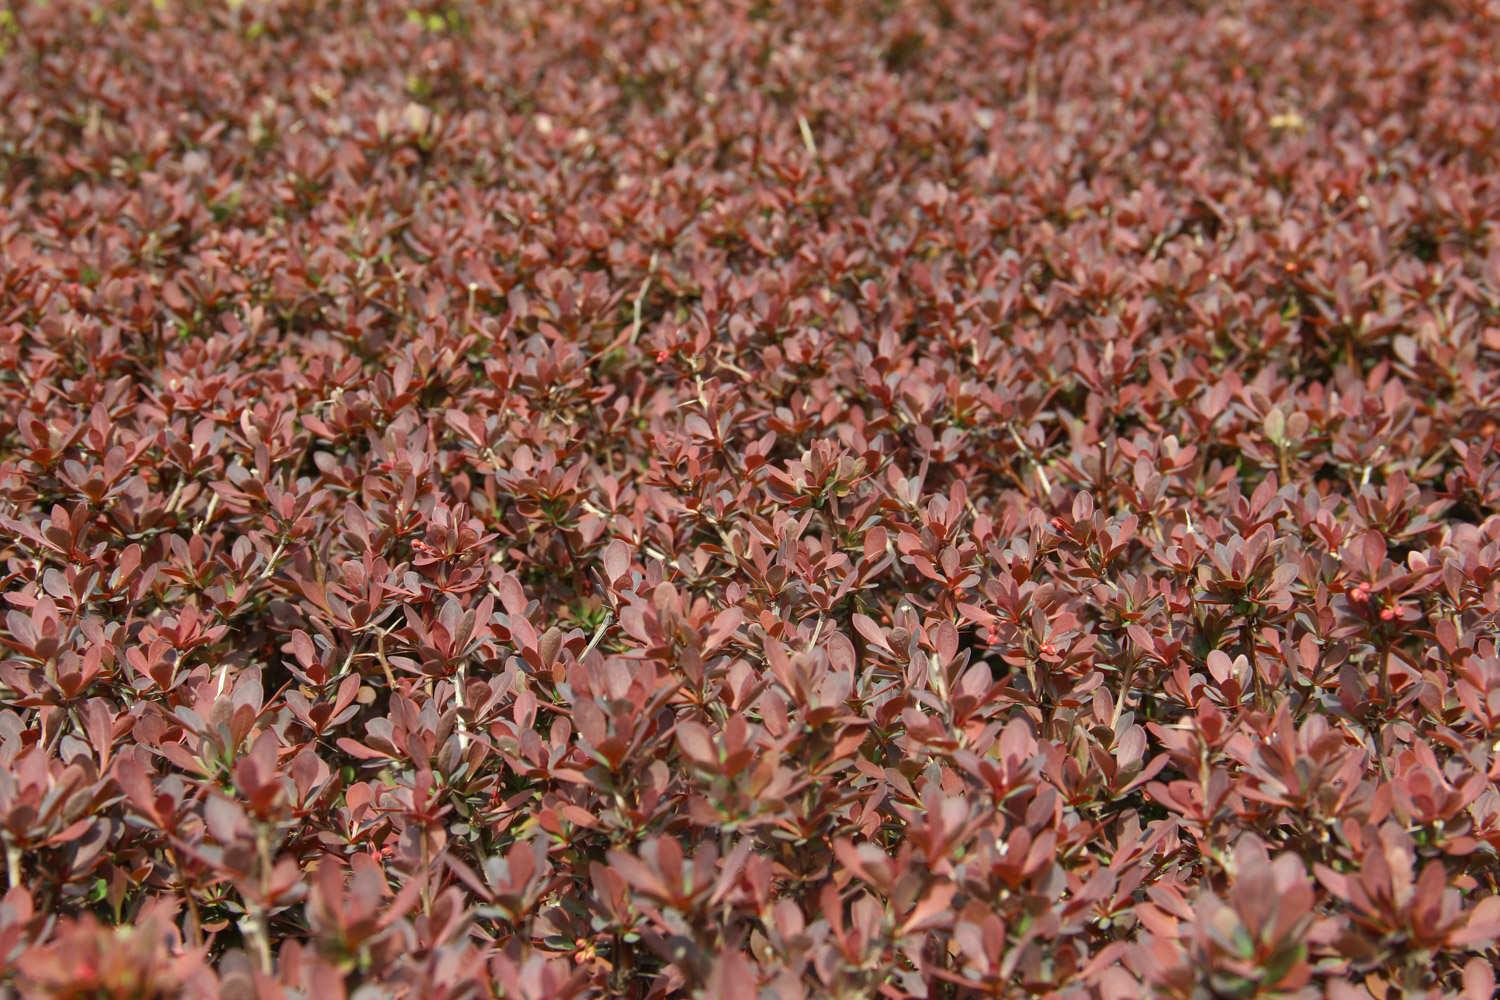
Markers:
{"x": 747, "y": 499}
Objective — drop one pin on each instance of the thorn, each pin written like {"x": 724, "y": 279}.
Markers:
{"x": 807, "y": 137}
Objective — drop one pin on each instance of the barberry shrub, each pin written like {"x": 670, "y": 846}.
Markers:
{"x": 747, "y": 499}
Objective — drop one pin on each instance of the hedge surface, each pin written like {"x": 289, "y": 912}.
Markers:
{"x": 745, "y": 499}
